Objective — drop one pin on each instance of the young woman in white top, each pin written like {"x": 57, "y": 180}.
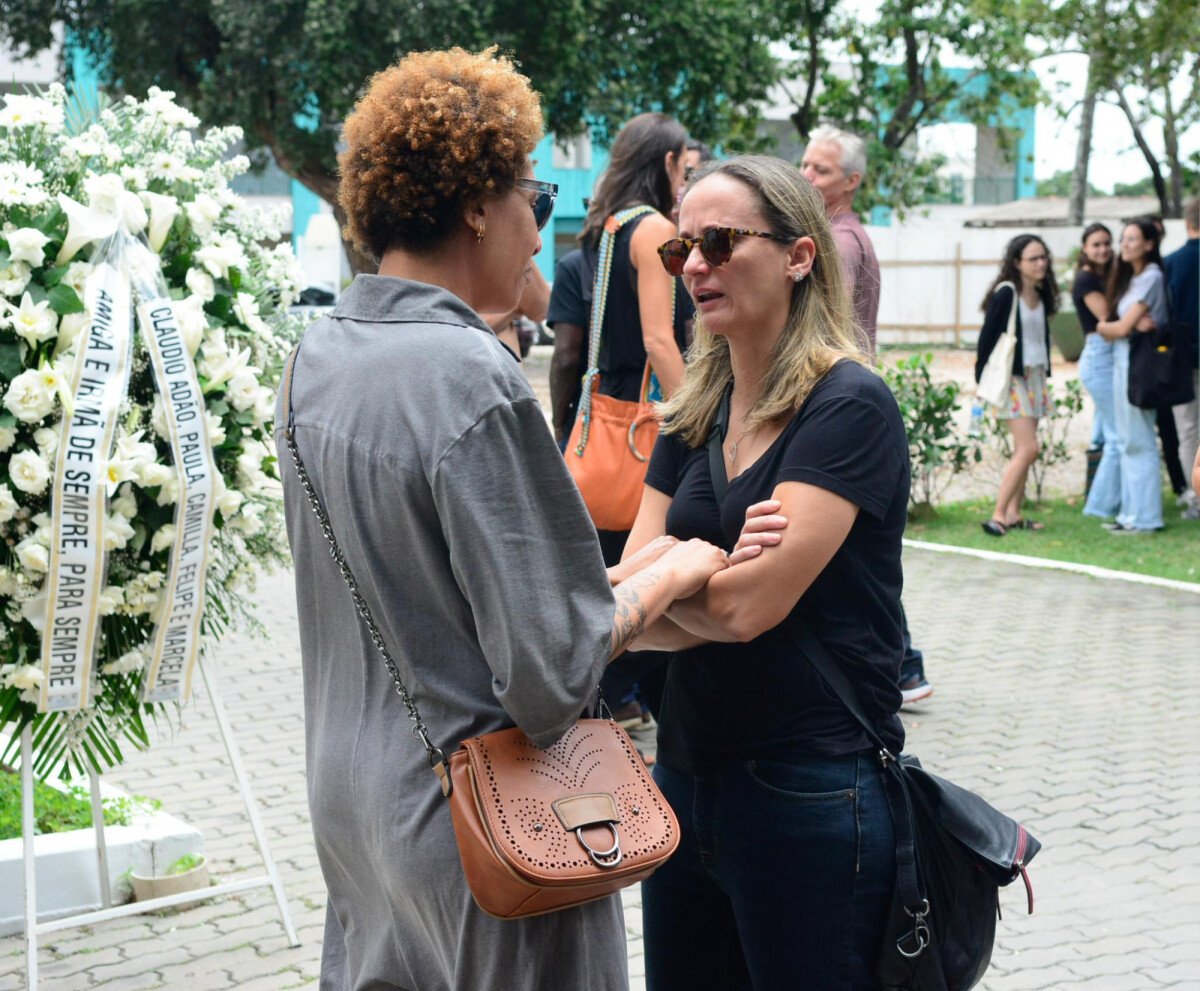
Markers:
{"x": 1028, "y": 266}
{"x": 1137, "y": 301}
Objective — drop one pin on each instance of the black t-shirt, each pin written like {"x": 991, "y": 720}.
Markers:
{"x": 571, "y": 292}
{"x": 1086, "y": 281}
{"x": 622, "y": 357}
{"x": 763, "y": 698}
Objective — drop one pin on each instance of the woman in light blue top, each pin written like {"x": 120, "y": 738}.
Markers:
{"x": 1138, "y": 301}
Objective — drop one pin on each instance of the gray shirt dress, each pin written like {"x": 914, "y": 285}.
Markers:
{"x": 476, "y": 556}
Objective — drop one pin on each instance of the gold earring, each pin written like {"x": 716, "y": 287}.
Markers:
{"x": 479, "y": 235}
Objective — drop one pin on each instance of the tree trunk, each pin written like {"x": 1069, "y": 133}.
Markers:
{"x": 326, "y": 186}
{"x": 1160, "y": 185}
{"x": 1083, "y": 151}
{"x": 1171, "y": 143}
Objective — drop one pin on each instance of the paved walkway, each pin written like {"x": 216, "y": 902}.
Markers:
{"x": 1069, "y": 702}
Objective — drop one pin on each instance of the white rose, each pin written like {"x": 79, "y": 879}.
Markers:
{"x": 200, "y": 283}
{"x": 151, "y": 476}
{"x": 27, "y": 397}
{"x": 46, "y": 439}
{"x": 34, "y": 322}
{"x": 168, "y": 492}
{"x": 202, "y": 213}
{"x": 249, "y": 520}
{"x": 8, "y": 437}
{"x": 14, "y": 277}
{"x": 163, "y": 538}
{"x": 219, "y": 256}
{"x": 193, "y": 322}
{"x": 8, "y": 504}
{"x": 23, "y": 676}
{"x": 264, "y": 406}
{"x": 27, "y": 244}
{"x": 28, "y": 472}
{"x": 249, "y": 470}
{"x": 245, "y": 308}
{"x": 76, "y": 277}
{"x": 134, "y": 660}
{"x": 33, "y": 555}
{"x": 216, "y": 429}
{"x": 125, "y": 503}
{"x": 229, "y": 502}
{"x": 111, "y": 598}
{"x": 158, "y": 418}
{"x": 242, "y": 391}
{"x": 117, "y": 532}
{"x": 131, "y": 448}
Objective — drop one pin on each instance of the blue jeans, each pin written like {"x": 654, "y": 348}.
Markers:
{"x": 1137, "y": 442}
{"x": 783, "y": 878}
{"x": 1096, "y": 373}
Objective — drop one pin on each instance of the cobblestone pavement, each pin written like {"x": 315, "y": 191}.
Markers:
{"x": 1069, "y": 702}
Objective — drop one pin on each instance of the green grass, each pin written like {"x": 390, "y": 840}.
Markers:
{"x": 55, "y": 811}
{"x": 1070, "y": 536}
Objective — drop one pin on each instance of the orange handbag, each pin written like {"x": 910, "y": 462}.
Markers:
{"x": 612, "y": 439}
{"x": 609, "y": 452}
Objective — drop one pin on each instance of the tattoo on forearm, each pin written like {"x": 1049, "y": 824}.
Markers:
{"x": 629, "y": 620}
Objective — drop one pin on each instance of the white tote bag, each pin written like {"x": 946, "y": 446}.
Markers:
{"x": 996, "y": 381}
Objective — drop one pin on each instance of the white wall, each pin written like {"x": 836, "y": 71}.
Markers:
{"x": 924, "y": 297}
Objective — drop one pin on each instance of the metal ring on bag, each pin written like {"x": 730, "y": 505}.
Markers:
{"x": 603, "y": 858}
{"x": 632, "y": 442}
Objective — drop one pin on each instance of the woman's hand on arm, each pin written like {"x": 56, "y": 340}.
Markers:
{"x": 744, "y": 601}
{"x": 1114, "y": 330}
{"x": 631, "y": 564}
{"x": 656, "y": 301}
{"x": 643, "y": 598}
{"x": 760, "y": 530}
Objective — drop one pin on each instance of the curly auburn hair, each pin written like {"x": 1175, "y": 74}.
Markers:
{"x": 431, "y": 135}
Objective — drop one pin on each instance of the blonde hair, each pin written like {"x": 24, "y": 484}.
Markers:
{"x": 820, "y": 327}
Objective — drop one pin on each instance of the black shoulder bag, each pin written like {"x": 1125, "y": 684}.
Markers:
{"x": 953, "y": 850}
{"x": 1160, "y": 369}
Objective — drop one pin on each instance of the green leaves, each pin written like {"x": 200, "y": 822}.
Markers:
{"x": 64, "y": 300}
{"x": 11, "y": 363}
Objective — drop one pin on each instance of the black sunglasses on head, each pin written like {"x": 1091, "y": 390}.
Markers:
{"x": 543, "y": 204}
{"x": 716, "y": 247}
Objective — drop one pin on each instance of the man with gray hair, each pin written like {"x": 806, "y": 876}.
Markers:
{"x": 835, "y": 162}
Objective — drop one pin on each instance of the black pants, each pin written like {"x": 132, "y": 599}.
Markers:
{"x": 1169, "y": 438}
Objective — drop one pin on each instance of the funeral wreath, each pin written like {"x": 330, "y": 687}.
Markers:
{"x": 143, "y": 328}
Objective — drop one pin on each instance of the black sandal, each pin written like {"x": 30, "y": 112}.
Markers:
{"x": 1023, "y": 524}
{"x": 995, "y": 528}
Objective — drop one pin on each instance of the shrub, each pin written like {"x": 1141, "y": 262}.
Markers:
{"x": 935, "y": 448}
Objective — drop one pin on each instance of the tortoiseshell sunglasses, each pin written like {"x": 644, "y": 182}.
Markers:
{"x": 716, "y": 246}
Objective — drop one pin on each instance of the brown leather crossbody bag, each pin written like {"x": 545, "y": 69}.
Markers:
{"x": 537, "y": 830}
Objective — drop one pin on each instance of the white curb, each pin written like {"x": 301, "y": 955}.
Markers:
{"x": 1108, "y": 574}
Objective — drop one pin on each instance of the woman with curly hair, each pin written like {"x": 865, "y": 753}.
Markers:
{"x": 429, "y": 452}
{"x": 1028, "y": 266}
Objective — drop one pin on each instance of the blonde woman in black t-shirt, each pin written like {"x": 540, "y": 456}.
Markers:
{"x": 786, "y": 867}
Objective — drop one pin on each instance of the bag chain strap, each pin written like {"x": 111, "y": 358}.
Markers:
{"x": 434, "y": 753}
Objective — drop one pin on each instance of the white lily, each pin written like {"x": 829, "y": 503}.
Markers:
{"x": 84, "y": 225}
{"x": 163, "y": 211}
{"x": 32, "y": 322}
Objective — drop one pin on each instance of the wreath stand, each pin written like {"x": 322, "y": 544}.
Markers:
{"x": 34, "y": 929}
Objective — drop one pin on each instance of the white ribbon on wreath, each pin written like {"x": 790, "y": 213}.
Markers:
{"x": 126, "y": 278}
